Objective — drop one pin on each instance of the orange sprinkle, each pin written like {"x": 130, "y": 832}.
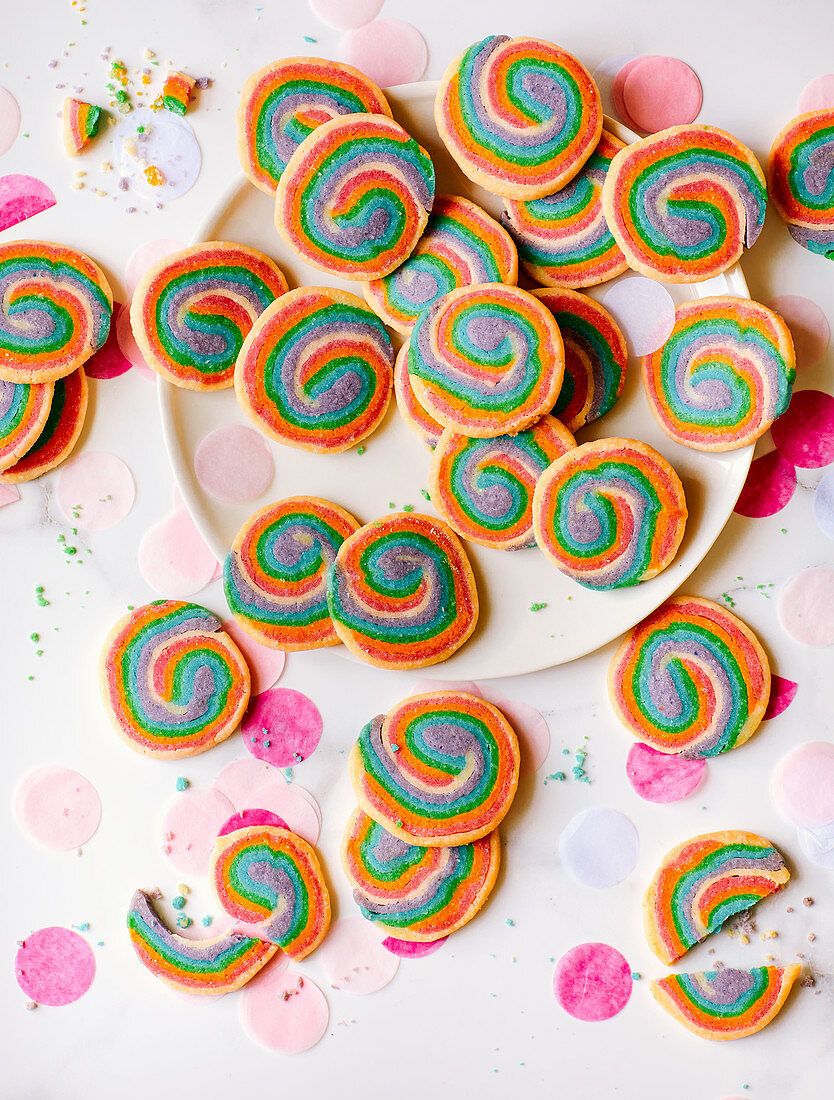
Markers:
{"x": 153, "y": 175}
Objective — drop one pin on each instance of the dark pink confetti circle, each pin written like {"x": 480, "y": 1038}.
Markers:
{"x": 770, "y": 484}
{"x": 109, "y": 361}
{"x": 661, "y": 777}
{"x": 592, "y": 982}
{"x": 411, "y": 949}
{"x": 282, "y": 727}
{"x": 782, "y": 694}
{"x": 247, "y": 819}
{"x": 805, "y": 433}
{"x": 54, "y": 966}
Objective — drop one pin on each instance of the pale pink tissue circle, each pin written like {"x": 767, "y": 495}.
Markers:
{"x": 265, "y": 664}
{"x": 617, "y": 86}
{"x": 250, "y": 783}
{"x": 190, "y": 827}
{"x": 282, "y": 727}
{"x": 54, "y": 966}
{"x": 285, "y": 1011}
{"x": 660, "y": 777}
{"x": 803, "y": 785}
{"x": 806, "y": 607}
{"x": 808, "y": 324}
{"x": 389, "y": 51}
{"x": 354, "y": 958}
{"x": 299, "y": 813}
{"x": 144, "y": 257}
{"x": 529, "y": 724}
{"x": 234, "y": 464}
{"x": 644, "y": 310}
{"x": 592, "y": 982}
{"x": 817, "y": 94}
{"x": 173, "y": 558}
{"x": 9, "y": 120}
{"x": 659, "y": 92}
{"x": 345, "y": 15}
{"x": 95, "y": 490}
{"x": 127, "y": 343}
{"x": 58, "y": 807}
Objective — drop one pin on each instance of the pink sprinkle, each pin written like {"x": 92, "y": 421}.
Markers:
{"x": 55, "y": 966}
{"x": 592, "y": 982}
{"x": 660, "y": 777}
{"x": 770, "y": 484}
{"x": 805, "y": 433}
{"x": 782, "y": 694}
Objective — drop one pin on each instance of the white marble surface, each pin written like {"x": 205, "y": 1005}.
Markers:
{"x": 478, "y": 1017}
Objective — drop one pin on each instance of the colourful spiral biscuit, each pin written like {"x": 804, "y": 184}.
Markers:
{"x": 409, "y": 407}
{"x": 801, "y": 172}
{"x": 461, "y": 245}
{"x": 595, "y": 357}
{"x": 217, "y": 965}
{"x": 275, "y": 576}
{"x": 316, "y": 372}
{"x": 172, "y": 681}
{"x": 80, "y": 121}
{"x": 486, "y": 360}
{"x": 724, "y": 374}
{"x": 683, "y": 203}
{"x": 60, "y": 432}
{"x": 703, "y": 882}
{"x": 271, "y": 878}
{"x": 192, "y": 311}
{"x": 55, "y": 306}
{"x": 415, "y": 892}
{"x": 401, "y": 592}
{"x": 726, "y": 1003}
{"x": 355, "y": 197}
{"x": 484, "y": 487}
{"x": 610, "y": 513}
{"x": 690, "y": 679}
{"x": 563, "y": 239}
{"x": 520, "y": 116}
{"x": 176, "y": 92}
{"x": 282, "y": 103}
{"x": 439, "y": 769}
{"x": 24, "y": 408}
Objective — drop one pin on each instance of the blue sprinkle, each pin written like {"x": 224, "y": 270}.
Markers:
{"x": 182, "y": 784}
{"x": 82, "y": 927}
{"x": 183, "y": 921}
{"x": 206, "y": 921}
{"x": 307, "y": 38}
{"x": 178, "y": 902}
{"x": 510, "y": 922}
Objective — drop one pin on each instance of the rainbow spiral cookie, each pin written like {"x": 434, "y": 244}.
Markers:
{"x": 726, "y": 1003}
{"x": 801, "y": 171}
{"x": 461, "y": 245}
{"x": 275, "y": 576}
{"x": 486, "y": 360}
{"x": 282, "y": 103}
{"x": 409, "y": 407}
{"x": 355, "y": 197}
{"x": 316, "y": 371}
{"x": 55, "y": 306}
{"x": 80, "y": 123}
{"x": 703, "y": 882}
{"x": 610, "y": 513}
{"x": 271, "y": 878}
{"x": 415, "y": 892}
{"x": 192, "y": 311}
{"x": 724, "y": 374}
{"x": 172, "y": 681}
{"x": 217, "y": 965}
{"x": 563, "y": 239}
{"x": 683, "y": 204}
{"x": 520, "y": 116}
{"x": 60, "y": 432}
{"x": 484, "y": 487}
{"x": 595, "y": 357}
{"x": 440, "y": 769}
{"x": 401, "y": 592}
{"x": 24, "y": 408}
{"x": 690, "y": 679}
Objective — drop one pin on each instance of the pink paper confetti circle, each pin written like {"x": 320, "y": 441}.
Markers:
{"x": 145, "y": 256}
{"x": 806, "y": 607}
{"x": 95, "y": 490}
{"x": 389, "y": 51}
{"x": 808, "y": 325}
{"x": 234, "y": 464}
{"x": 411, "y": 949}
{"x": 109, "y": 361}
{"x": 599, "y": 847}
{"x": 823, "y": 504}
{"x": 284, "y": 1011}
{"x": 248, "y": 819}
{"x": 173, "y": 559}
{"x": 300, "y": 812}
{"x": 816, "y": 95}
{"x": 191, "y": 825}
{"x": 805, "y": 433}
{"x": 127, "y": 343}
{"x": 803, "y": 785}
{"x": 354, "y": 958}
{"x": 592, "y": 982}
{"x": 645, "y": 312}
{"x": 57, "y": 807}
{"x": 345, "y": 15}
{"x": 282, "y": 727}
{"x": 769, "y": 486}
{"x": 9, "y": 120}
{"x": 22, "y": 197}
{"x": 249, "y": 783}
{"x": 660, "y": 777}
{"x": 54, "y": 966}
{"x": 659, "y": 92}
{"x": 782, "y": 694}
{"x": 265, "y": 664}
{"x": 617, "y": 86}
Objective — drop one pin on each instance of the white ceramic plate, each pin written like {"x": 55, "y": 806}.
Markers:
{"x": 510, "y": 639}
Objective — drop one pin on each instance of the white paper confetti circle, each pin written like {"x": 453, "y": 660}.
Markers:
{"x": 599, "y": 847}
{"x": 160, "y": 140}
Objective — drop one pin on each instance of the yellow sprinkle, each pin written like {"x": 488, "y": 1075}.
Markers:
{"x": 80, "y": 173}
{"x": 101, "y": 194}
{"x": 106, "y": 166}
{"x": 77, "y": 185}
{"x": 148, "y": 54}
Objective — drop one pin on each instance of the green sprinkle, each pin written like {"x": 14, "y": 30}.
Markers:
{"x": 70, "y": 551}
{"x": 35, "y": 637}
{"x": 39, "y": 653}
{"x": 360, "y": 450}
{"x": 426, "y": 494}
{"x": 538, "y": 606}
{"x": 391, "y": 504}
{"x": 182, "y": 784}
{"x": 178, "y": 902}
{"x": 39, "y": 596}
{"x": 408, "y": 507}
